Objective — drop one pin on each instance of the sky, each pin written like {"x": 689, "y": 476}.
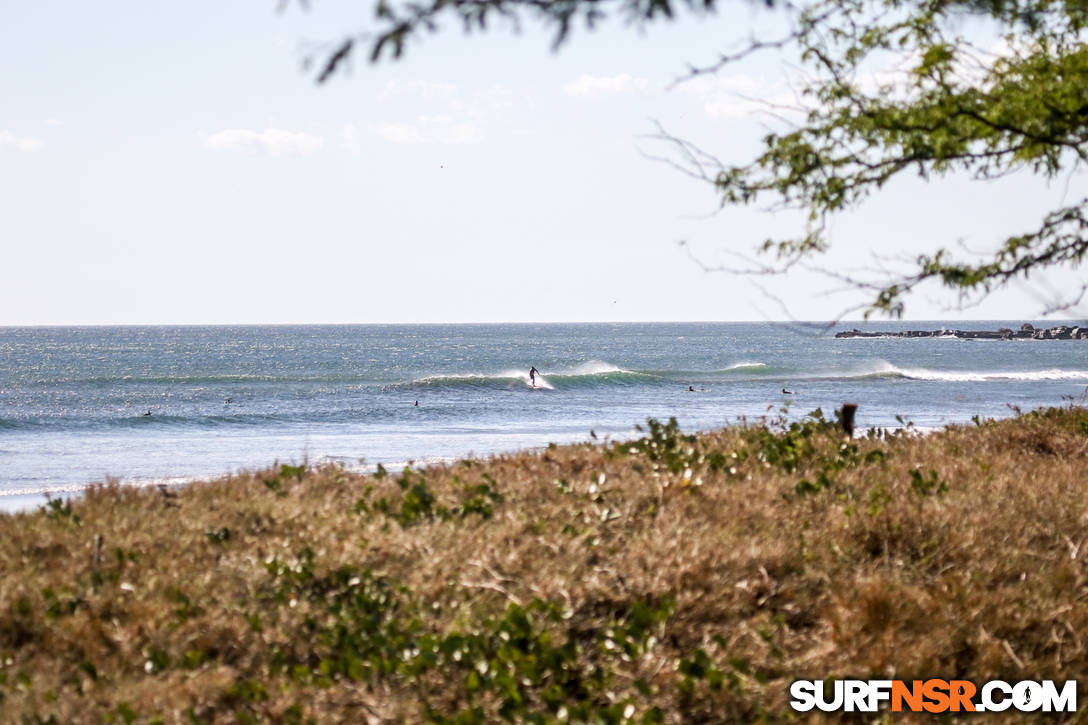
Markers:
{"x": 175, "y": 163}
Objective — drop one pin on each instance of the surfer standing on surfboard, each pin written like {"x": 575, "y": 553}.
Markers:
{"x": 532, "y": 376}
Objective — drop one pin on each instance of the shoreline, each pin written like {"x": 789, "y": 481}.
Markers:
{"x": 27, "y": 502}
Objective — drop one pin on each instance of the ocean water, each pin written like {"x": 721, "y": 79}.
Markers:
{"x": 172, "y": 404}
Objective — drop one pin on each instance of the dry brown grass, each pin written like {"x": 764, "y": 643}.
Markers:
{"x": 255, "y": 598}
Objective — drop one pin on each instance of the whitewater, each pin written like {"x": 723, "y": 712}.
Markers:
{"x": 146, "y": 405}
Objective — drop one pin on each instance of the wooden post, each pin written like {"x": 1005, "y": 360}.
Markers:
{"x": 847, "y": 417}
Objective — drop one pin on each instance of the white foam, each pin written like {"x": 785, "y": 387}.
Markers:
{"x": 883, "y": 367}
{"x": 744, "y": 364}
{"x": 66, "y": 489}
{"x": 504, "y": 375}
{"x": 586, "y": 369}
{"x": 592, "y": 367}
{"x": 973, "y": 375}
{"x": 52, "y": 490}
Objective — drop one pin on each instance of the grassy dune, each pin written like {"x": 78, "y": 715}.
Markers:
{"x": 673, "y": 579}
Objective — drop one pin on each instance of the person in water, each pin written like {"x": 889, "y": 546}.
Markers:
{"x": 533, "y": 372}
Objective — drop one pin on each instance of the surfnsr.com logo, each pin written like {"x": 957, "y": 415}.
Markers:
{"x": 933, "y": 695}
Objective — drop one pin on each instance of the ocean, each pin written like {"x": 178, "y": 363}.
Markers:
{"x": 145, "y": 405}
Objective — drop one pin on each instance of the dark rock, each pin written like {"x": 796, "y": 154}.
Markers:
{"x": 1026, "y": 332}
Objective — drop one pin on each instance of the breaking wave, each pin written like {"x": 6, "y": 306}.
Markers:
{"x": 591, "y": 373}
{"x": 887, "y": 370}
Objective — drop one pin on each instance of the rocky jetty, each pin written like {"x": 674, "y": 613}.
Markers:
{"x": 1027, "y": 331}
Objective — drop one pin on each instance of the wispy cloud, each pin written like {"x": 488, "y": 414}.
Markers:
{"x": 737, "y": 96}
{"x": 25, "y": 144}
{"x": 274, "y": 141}
{"x": 440, "y": 129}
{"x": 440, "y": 113}
{"x": 587, "y": 85}
{"x": 53, "y": 122}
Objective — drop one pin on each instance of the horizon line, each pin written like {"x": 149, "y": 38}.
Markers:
{"x": 826, "y": 323}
